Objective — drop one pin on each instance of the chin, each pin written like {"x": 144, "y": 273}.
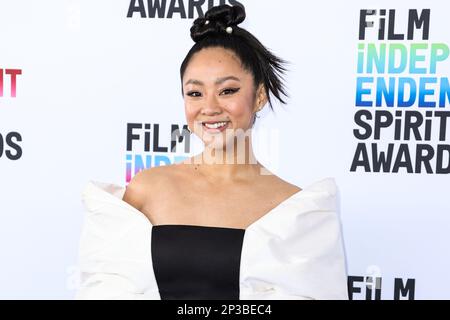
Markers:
{"x": 219, "y": 143}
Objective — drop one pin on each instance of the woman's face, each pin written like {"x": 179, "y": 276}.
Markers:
{"x": 219, "y": 96}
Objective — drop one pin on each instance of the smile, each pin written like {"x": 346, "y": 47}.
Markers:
{"x": 215, "y": 126}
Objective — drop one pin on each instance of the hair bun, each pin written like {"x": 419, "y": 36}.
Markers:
{"x": 219, "y": 17}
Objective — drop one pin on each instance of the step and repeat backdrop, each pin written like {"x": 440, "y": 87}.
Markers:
{"x": 90, "y": 90}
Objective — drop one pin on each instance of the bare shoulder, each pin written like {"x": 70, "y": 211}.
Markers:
{"x": 145, "y": 183}
{"x": 277, "y": 183}
{"x": 288, "y": 187}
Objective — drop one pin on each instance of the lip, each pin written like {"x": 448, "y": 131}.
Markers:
{"x": 217, "y": 130}
{"x": 214, "y": 121}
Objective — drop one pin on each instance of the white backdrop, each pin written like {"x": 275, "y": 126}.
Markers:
{"x": 88, "y": 70}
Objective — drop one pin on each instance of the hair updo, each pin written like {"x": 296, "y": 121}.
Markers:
{"x": 216, "y": 20}
{"x": 219, "y": 28}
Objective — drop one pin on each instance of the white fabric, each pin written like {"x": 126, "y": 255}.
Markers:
{"x": 295, "y": 251}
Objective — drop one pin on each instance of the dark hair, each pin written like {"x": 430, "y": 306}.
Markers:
{"x": 211, "y": 31}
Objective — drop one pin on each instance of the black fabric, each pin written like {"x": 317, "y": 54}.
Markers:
{"x": 197, "y": 262}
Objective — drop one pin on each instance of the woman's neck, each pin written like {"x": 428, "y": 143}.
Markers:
{"x": 228, "y": 164}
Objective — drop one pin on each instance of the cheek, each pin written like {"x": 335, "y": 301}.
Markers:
{"x": 190, "y": 111}
{"x": 241, "y": 108}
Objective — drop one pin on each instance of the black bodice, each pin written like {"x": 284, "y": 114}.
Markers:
{"x": 197, "y": 262}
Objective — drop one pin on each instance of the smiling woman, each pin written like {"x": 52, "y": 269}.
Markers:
{"x": 215, "y": 103}
{"x": 218, "y": 225}
{"x": 226, "y": 78}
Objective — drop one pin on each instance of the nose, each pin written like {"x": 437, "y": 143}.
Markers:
{"x": 211, "y": 106}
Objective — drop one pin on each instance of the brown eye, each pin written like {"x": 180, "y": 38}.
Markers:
{"x": 230, "y": 91}
{"x": 193, "y": 94}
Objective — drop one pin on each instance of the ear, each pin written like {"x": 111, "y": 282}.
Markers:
{"x": 261, "y": 98}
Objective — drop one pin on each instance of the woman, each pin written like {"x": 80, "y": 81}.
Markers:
{"x": 218, "y": 225}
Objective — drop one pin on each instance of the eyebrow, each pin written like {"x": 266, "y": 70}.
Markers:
{"x": 218, "y": 81}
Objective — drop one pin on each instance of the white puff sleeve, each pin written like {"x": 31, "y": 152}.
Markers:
{"x": 296, "y": 251}
{"x": 115, "y": 248}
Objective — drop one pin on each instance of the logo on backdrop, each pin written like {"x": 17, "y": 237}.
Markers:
{"x": 374, "y": 286}
{"x": 369, "y": 288}
{"x": 150, "y": 145}
{"x": 9, "y": 147}
{"x": 402, "y": 97}
{"x": 8, "y": 82}
{"x": 9, "y": 142}
{"x": 168, "y": 9}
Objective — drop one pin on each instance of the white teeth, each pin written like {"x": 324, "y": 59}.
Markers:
{"x": 215, "y": 125}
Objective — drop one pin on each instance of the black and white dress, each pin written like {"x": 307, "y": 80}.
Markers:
{"x": 294, "y": 251}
